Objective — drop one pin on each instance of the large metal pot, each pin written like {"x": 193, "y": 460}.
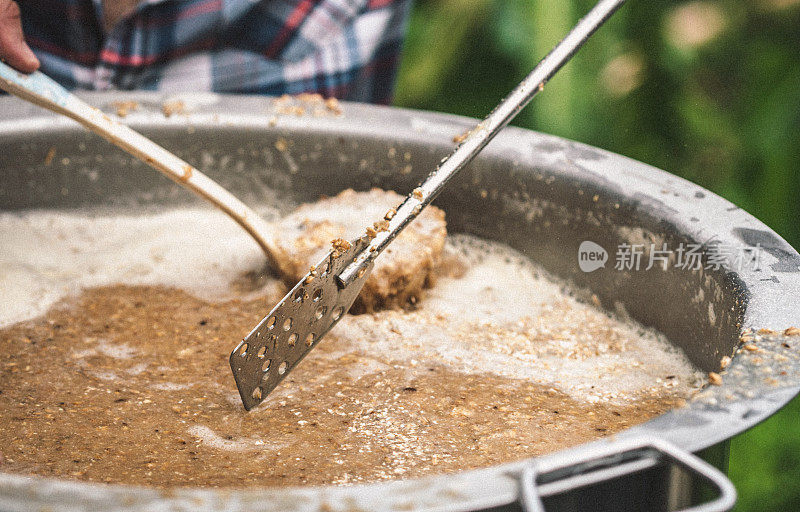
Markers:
{"x": 540, "y": 194}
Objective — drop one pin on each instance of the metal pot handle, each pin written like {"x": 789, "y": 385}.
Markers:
{"x": 605, "y": 462}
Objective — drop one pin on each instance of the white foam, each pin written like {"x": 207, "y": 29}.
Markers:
{"x": 213, "y": 440}
{"x": 499, "y": 286}
{"x": 45, "y": 256}
{"x": 103, "y": 346}
{"x": 171, "y": 386}
{"x": 505, "y": 317}
{"x": 119, "y": 351}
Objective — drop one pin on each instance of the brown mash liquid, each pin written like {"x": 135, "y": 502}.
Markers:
{"x": 131, "y": 385}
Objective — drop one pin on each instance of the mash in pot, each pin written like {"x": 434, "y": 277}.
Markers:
{"x": 116, "y": 329}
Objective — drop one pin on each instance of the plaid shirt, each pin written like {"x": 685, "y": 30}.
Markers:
{"x": 344, "y": 48}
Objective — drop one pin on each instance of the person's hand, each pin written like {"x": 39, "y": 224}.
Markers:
{"x": 13, "y": 49}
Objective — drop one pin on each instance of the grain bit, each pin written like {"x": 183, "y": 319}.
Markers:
{"x": 295, "y": 326}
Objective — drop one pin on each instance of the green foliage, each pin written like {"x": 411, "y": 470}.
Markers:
{"x": 765, "y": 464}
{"x": 718, "y": 107}
{"x": 724, "y": 113}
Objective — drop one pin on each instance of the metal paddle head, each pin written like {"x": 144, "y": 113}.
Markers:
{"x": 296, "y": 325}
{"x": 312, "y": 307}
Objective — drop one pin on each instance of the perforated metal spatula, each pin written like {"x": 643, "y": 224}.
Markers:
{"x": 310, "y": 309}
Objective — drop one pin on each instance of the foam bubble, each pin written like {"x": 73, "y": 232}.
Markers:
{"x": 46, "y": 256}
{"x": 504, "y": 315}
{"x": 213, "y": 440}
{"x": 507, "y": 317}
{"x": 499, "y": 286}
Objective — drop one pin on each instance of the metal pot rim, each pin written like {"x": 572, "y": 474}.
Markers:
{"x": 724, "y": 411}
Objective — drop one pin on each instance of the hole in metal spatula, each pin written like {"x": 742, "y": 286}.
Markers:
{"x": 293, "y": 327}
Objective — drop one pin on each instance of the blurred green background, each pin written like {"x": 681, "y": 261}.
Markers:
{"x": 708, "y": 90}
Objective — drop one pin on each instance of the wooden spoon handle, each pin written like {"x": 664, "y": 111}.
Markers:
{"x": 43, "y": 91}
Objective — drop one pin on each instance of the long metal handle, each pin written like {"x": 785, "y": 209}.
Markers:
{"x": 604, "y": 463}
{"x": 482, "y": 134}
{"x": 41, "y": 90}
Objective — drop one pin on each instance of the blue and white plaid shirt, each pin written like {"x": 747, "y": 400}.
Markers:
{"x": 349, "y": 49}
